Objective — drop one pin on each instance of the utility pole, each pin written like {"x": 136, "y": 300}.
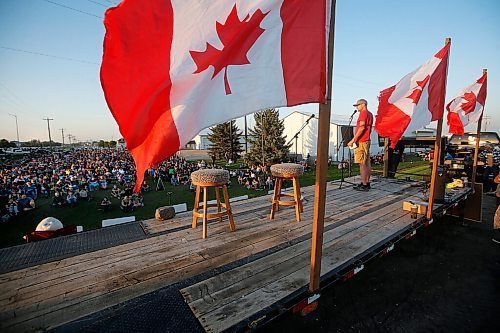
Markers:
{"x": 246, "y": 136}
{"x": 48, "y": 127}
{"x": 486, "y": 121}
{"x": 62, "y": 134}
{"x": 17, "y": 128}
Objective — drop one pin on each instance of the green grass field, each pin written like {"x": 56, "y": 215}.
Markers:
{"x": 88, "y": 215}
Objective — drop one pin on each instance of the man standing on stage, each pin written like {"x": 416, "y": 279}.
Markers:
{"x": 361, "y": 142}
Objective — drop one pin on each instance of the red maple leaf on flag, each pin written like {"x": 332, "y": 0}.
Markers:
{"x": 469, "y": 103}
{"x": 417, "y": 92}
{"x": 237, "y": 37}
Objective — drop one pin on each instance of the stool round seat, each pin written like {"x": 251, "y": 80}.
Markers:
{"x": 287, "y": 170}
{"x": 210, "y": 176}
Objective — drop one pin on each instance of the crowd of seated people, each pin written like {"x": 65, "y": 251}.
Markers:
{"x": 175, "y": 170}
{"x": 72, "y": 176}
{"x": 66, "y": 177}
{"x": 255, "y": 178}
{"x": 377, "y": 159}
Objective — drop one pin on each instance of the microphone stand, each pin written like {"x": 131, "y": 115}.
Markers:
{"x": 297, "y": 135}
{"x": 342, "y": 180}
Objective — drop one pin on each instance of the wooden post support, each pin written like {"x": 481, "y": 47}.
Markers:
{"x": 385, "y": 174}
{"x": 437, "y": 152}
{"x": 322, "y": 167}
{"x": 476, "y": 151}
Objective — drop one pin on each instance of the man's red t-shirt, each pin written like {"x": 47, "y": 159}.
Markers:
{"x": 367, "y": 117}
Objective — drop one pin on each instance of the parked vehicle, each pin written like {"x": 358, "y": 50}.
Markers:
{"x": 468, "y": 140}
{"x": 17, "y": 151}
{"x": 462, "y": 147}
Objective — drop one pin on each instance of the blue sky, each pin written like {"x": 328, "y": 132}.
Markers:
{"x": 376, "y": 44}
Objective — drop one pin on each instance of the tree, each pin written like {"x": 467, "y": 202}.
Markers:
{"x": 268, "y": 144}
{"x": 34, "y": 143}
{"x": 4, "y": 143}
{"x": 225, "y": 138}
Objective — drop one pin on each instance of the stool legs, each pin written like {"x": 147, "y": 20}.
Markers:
{"x": 204, "y": 214}
{"x": 196, "y": 207}
{"x": 297, "y": 197}
{"x": 276, "y": 197}
{"x": 217, "y": 196}
{"x": 228, "y": 207}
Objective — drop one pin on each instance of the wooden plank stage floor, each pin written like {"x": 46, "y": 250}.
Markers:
{"x": 48, "y": 295}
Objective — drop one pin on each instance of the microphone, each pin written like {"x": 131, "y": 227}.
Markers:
{"x": 312, "y": 116}
{"x": 352, "y": 115}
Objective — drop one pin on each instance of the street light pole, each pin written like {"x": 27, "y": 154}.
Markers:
{"x": 231, "y": 139}
{"x": 17, "y": 127}
{"x": 246, "y": 136}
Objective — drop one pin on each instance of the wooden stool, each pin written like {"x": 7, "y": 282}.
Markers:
{"x": 205, "y": 179}
{"x": 287, "y": 171}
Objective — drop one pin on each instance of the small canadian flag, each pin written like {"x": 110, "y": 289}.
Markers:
{"x": 415, "y": 101}
{"x": 467, "y": 107}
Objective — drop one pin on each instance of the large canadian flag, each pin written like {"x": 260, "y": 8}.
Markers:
{"x": 171, "y": 68}
{"x": 467, "y": 107}
{"x": 414, "y": 101}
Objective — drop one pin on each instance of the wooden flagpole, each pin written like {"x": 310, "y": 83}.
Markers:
{"x": 322, "y": 167}
{"x": 476, "y": 152}
{"x": 435, "y": 163}
{"x": 386, "y": 158}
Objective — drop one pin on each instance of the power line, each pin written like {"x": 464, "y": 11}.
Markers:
{"x": 17, "y": 102}
{"x": 13, "y": 99}
{"x": 48, "y": 55}
{"x": 12, "y": 103}
{"x": 97, "y": 3}
{"x": 74, "y": 9}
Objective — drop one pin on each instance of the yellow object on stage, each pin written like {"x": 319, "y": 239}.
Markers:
{"x": 456, "y": 183}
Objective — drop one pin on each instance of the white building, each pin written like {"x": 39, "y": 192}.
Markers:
{"x": 201, "y": 140}
{"x": 306, "y": 141}
{"x": 307, "y": 138}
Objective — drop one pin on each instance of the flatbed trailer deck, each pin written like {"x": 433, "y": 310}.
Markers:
{"x": 230, "y": 281}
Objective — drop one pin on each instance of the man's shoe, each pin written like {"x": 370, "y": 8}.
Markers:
{"x": 363, "y": 188}
{"x": 360, "y": 185}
